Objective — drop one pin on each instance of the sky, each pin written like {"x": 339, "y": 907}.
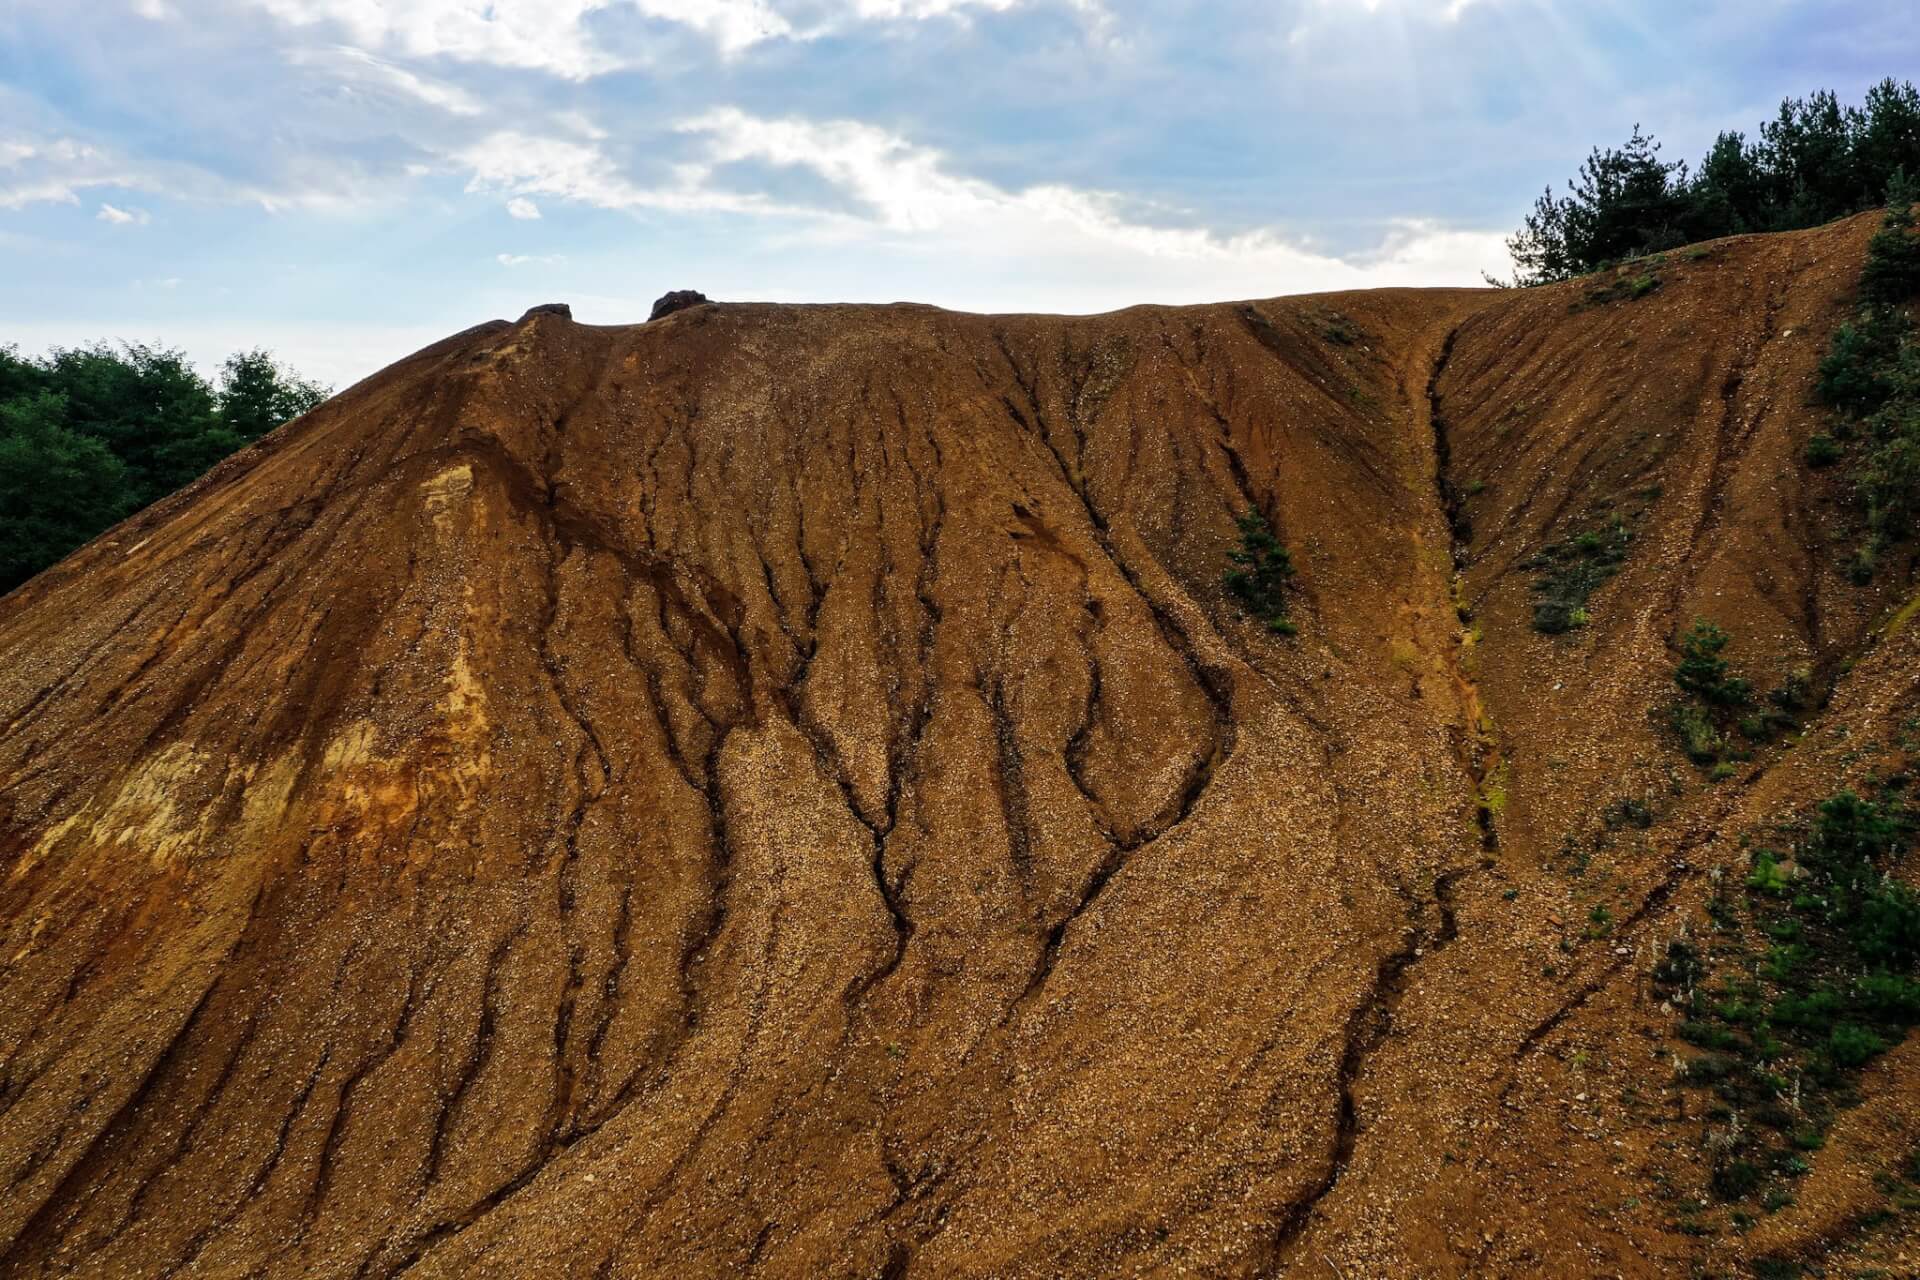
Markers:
{"x": 344, "y": 181}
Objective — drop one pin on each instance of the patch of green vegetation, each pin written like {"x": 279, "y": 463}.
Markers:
{"x": 1783, "y": 1037}
{"x": 1718, "y": 701}
{"x": 1823, "y": 450}
{"x": 1871, "y": 379}
{"x": 1572, "y": 570}
{"x": 1630, "y": 282}
{"x": 89, "y": 435}
{"x": 1336, "y": 328}
{"x": 1262, "y": 571}
{"x": 1816, "y": 160}
{"x": 1704, "y": 673}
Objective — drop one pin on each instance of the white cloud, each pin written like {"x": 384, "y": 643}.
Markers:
{"x": 910, "y": 203}
{"x": 358, "y": 69}
{"x": 35, "y": 171}
{"x": 522, "y": 208}
{"x": 57, "y": 170}
{"x": 542, "y": 35}
{"x": 1449, "y": 10}
{"x": 525, "y": 164}
{"x": 527, "y": 259}
{"x": 553, "y": 35}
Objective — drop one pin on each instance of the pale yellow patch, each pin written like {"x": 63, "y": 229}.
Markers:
{"x": 445, "y": 492}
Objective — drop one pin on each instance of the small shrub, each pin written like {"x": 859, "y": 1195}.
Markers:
{"x": 1628, "y": 812}
{"x": 1886, "y": 929}
{"x": 1706, "y": 1035}
{"x": 1680, "y": 967}
{"x": 1735, "y": 1179}
{"x": 1704, "y": 673}
{"x": 1795, "y": 692}
{"x": 1766, "y": 876}
{"x": 1892, "y": 273}
{"x": 1698, "y": 738}
{"x": 1707, "y": 1069}
{"x": 1823, "y": 451}
{"x": 1571, "y": 571}
{"x": 1856, "y": 375}
{"x": 1262, "y": 570}
{"x": 1784, "y": 961}
{"x": 1891, "y": 997}
{"x": 1814, "y": 1012}
{"x": 1852, "y": 1045}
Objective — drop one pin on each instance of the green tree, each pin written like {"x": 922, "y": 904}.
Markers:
{"x": 1810, "y": 154}
{"x": 1625, "y": 201}
{"x": 58, "y": 488}
{"x": 94, "y": 433}
{"x": 1262, "y": 569}
{"x": 257, "y": 395}
{"x": 1888, "y": 138}
{"x": 1816, "y": 160}
{"x": 140, "y": 402}
{"x": 1892, "y": 273}
{"x": 1704, "y": 673}
{"x": 1729, "y": 191}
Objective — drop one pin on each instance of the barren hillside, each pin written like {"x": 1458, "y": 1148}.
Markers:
{"x": 781, "y": 790}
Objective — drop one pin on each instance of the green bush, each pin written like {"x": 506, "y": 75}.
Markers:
{"x": 1704, "y": 673}
{"x": 1852, "y": 1045}
{"x": 1767, "y": 876}
{"x": 1892, "y": 274}
{"x": 1886, "y": 929}
{"x": 1735, "y": 1179}
{"x": 1815, "y": 1011}
{"x": 1823, "y": 450}
{"x": 1262, "y": 570}
{"x": 1571, "y": 571}
{"x": 1680, "y": 967}
{"x": 1891, "y": 997}
{"x": 1698, "y": 738}
{"x": 1857, "y": 373}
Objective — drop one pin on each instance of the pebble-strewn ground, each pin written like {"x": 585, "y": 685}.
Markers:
{"x": 781, "y": 790}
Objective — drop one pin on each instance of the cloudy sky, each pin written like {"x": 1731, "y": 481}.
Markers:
{"x": 345, "y": 180}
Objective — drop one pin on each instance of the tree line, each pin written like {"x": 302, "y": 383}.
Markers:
{"x": 89, "y": 435}
{"x": 1815, "y": 161}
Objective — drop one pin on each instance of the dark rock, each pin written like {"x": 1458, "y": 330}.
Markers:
{"x": 678, "y": 300}
{"x": 560, "y": 309}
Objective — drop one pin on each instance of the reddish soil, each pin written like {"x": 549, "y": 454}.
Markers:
{"x": 780, "y": 790}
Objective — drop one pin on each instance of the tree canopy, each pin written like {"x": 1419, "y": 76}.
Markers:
{"x": 1815, "y": 161}
{"x": 89, "y": 435}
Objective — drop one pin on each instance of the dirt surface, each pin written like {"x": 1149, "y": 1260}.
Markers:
{"x": 781, "y": 790}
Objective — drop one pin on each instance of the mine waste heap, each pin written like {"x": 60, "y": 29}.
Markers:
{"x": 790, "y": 791}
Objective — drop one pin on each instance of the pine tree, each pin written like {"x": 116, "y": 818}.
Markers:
{"x": 1262, "y": 570}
